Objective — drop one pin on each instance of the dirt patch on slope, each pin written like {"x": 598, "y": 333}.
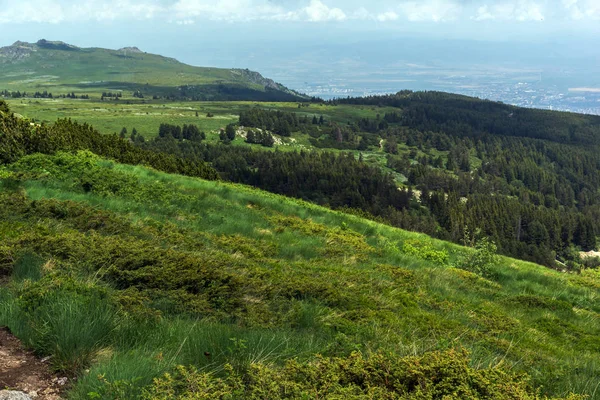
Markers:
{"x": 20, "y": 370}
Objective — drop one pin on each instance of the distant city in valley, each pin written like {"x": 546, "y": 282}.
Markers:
{"x": 520, "y": 87}
{"x": 535, "y": 94}
{"x": 545, "y": 76}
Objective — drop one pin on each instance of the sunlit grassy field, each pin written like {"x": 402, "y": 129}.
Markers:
{"x": 146, "y": 116}
{"x": 54, "y": 70}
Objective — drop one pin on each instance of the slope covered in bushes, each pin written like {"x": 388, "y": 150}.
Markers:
{"x": 143, "y": 283}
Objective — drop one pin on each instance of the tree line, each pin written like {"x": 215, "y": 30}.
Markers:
{"x": 42, "y": 95}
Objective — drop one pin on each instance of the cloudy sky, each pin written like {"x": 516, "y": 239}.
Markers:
{"x": 316, "y": 11}
{"x": 179, "y": 28}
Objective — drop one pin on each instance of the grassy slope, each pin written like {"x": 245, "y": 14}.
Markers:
{"x": 94, "y": 70}
{"x": 47, "y": 67}
{"x": 301, "y": 280}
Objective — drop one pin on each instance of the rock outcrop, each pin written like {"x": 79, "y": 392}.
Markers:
{"x": 13, "y": 395}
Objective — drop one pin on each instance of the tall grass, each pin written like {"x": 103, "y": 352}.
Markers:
{"x": 67, "y": 327}
{"x": 74, "y": 330}
{"x": 206, "y": 345}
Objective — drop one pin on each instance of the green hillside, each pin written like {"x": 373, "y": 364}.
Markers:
{"x": 62, "y": 68}
{"x": 146, "y": 283}
{"x": 446, "y": 153}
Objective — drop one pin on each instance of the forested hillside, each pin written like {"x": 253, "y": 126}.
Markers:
{"x": 542, "y": 167}
{"x": 464, "y": 116}
{"x": 530, "y": 183}
{"x": 454, "y": 167}
{"x": 146, "y": 284}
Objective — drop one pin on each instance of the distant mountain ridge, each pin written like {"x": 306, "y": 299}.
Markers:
{"x": 60, "y": 66}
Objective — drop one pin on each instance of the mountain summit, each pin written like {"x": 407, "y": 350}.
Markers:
{"x": 59, "y": 66}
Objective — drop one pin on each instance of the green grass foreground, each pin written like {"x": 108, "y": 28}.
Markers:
{"x": 147, "y": 284}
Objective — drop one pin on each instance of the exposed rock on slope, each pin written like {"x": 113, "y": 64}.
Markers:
{"x": 132, "y": 49}
{"x": 13, "y": 395}
{"x": 16, "y": 52}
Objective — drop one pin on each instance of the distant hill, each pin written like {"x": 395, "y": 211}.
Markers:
{"x": 60, "y": 67}
{"x": 465, "y": 116}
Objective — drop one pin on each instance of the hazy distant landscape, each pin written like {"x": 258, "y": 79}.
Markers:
{"x": 543, "y": 76}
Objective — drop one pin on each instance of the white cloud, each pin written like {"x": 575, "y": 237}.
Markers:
{"x": 431, "y": 10}
{"x": 55, "y": 11}
{"x": 234, "y": 10}
{"x": 483, "y": 13}
{"x": 582, "y": 9}
{"x": 33, "y": 11}
{"x": 387, "y": 16}
{"x": 317, "y": 11}
{"x": 519, "y": 10}
{"x": 361, "y": 13}
{"x": 389, "y": 11}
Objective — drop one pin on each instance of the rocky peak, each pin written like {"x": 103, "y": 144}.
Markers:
{"x": 18, "y": 43}
{"x": 131, "y": 49}
{"x": 18, "y": 51}
{"x": 257, "y": 78}
{"x": 56, "y": 45}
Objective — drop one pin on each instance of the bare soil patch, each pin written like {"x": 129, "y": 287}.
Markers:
{"x": 20, "y": 370}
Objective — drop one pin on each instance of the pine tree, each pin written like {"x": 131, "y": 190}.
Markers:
{"x": 450, "y": 165}
{"x": 268, "y": 140}
{"x": 250, "y": 137}
{"x": 363, "y": 144}
{"x": 230, "y": 132}
{"x": 223, "y": 137}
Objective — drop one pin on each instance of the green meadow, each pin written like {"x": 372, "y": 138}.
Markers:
{"x": 146, "y": 116}
{"x": 53, "y": 67}
{"x": 138, "y": 283}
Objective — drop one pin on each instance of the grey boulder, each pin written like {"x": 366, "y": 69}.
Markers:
{"x": 13, "y": 395}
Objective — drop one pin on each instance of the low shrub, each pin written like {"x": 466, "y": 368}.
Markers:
{"x": 434, "y": 375}
{"x": 481, "y": 259}
{"x": 425, "y": 251}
